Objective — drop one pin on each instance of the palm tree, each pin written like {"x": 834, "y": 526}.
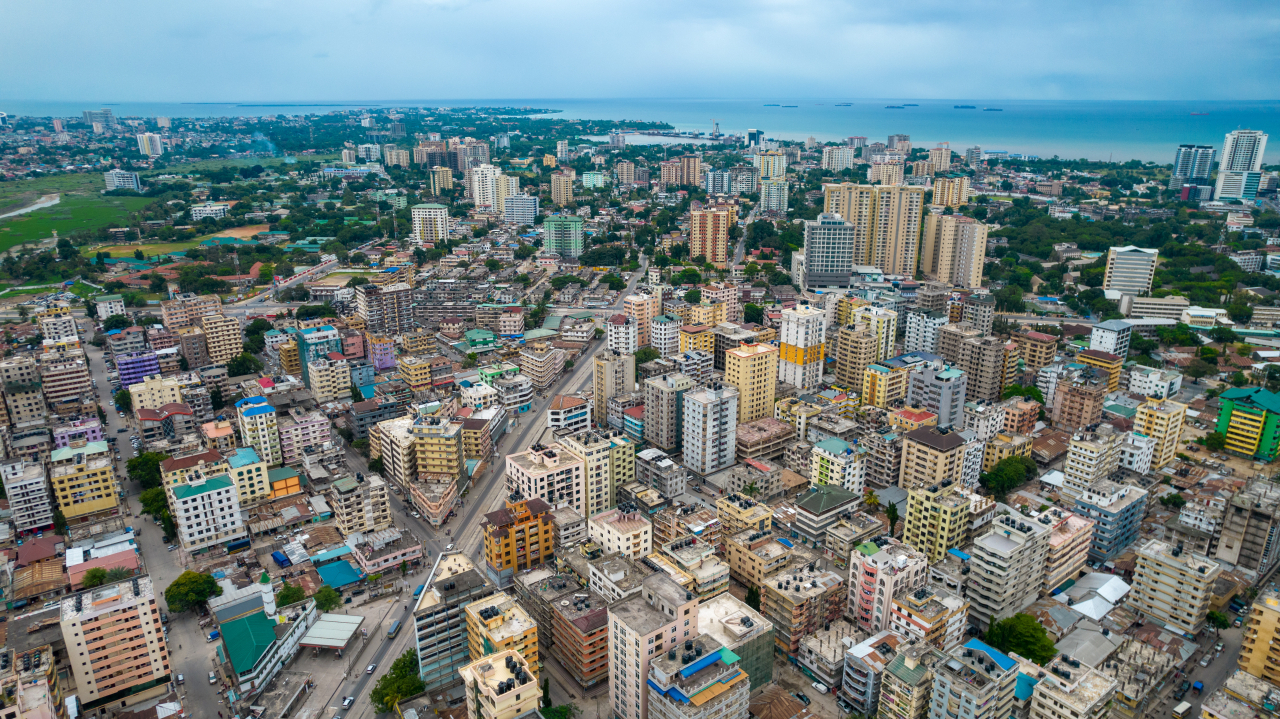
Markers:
{"x": 751, "y": 490}
{"x": 871, "y": 501}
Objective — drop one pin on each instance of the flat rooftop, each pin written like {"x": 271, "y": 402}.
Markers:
{"x": 721, "y": 617}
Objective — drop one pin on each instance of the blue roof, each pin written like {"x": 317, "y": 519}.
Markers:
{"x": 1026, "y": 686}
{"x": 331, "y": 554}
{"x": 340, "y": 573}
{"x": 997, "y": 656}
{"x": 834, "y": 445}
{"x": 957, "y": 553}
{"x": 254, "y": 406}
{"x": 243, "y": 457}
{"x": 787, "y": 542}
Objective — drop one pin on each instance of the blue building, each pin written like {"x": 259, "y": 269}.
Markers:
{"x": 314, "y": 343}
{"x": 1118, "y": 510}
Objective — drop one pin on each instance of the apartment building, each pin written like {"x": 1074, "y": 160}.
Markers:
{"x": 517, "y": 537}
{"x": 1091, "y": 456}
{"x": 753, "y": 370}
{"x": 430, "y": 223}
{"x": 932, "y": 615}
{"x": 1078, "y": 400}
{"x": 940, "y": 391}
{"x": 1130, "y": 269}
{"x": 303, "y": 433}
{"x": 709, "y": 428}
{"x": 258, "y": 428}
{"x": 643, "y": 627}
{"x": 856, "y": 347}
{"x": 828, "y": 251}
{"x": 1036, "y": 349}
{"x": 360, "y": 506}
{"x": 799, "y": 602}
{"x": 549, "y": 472}
{"x": 1117, "y": 510}
{"x": 931, "y": 455}
{"x": 83, "y": 478}
{"x": 1173, "y": 586}
{"x": 207, "y": 511}
{"x": 608, "y": 463}
{"x": 879, "y": 570}
{"x": 954, "y": 248}
{"x": 27, "y": 490}
{"x": 614, "y": 374}
{"x": 664, "y": 410}
{"x": 704, "y": 668}
{"x": 907, "y": 683}
{"x": 802, "y": 337}
{"x": 656, "y": 470}
{"x": 1071, "y": 691}
{"x": 126, "y": 655}
{"x": 937, "y": 519}
{"x": 1069, "y": 540}
{"x": 385, "y": 309}
{"x": 500, "y": 686}
{"x": 642, "y": 309}
{"x": 922, "y": 331}
{"x": 497, "y": 624}
{"x": 1261, "y": 632}
{"x": 224, "y": 338}
{"x": 619, "y": 531}
{"x": 440, "y": 625}
{"x": 184, "y": 309}
{"x": 1008, "y": 567}
{"x": 865, "y": 665}
{"x": 975, "y": 680}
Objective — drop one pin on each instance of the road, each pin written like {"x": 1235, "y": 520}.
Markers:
{"x": 463, "y": 531}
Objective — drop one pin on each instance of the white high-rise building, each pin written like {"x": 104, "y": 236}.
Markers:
{"x": 562, "y": 150}
{"x": 369, "y": 152}
{"x": 1130, "y": 269}
{"x": 773, "y": 196}
{"x": 922, "y": 331}
{"x": 1239, "y": 170}
{"x": 828, "y": 252}
{"x": 884, "y": 325}
{"x": 622, "y": 334}
{"x": 801, "y": 341}
{"x": 28, "y": 493}
{"x": 520, "y": 209}
{"x": 430, "y": 222}
{"x": 150, "y": 144}
{"x": 484, "y": 186}
{"x": 838, "y": 158}
{"x": 1193, "y": 162}
{"x": 710, "y": 428}
{"x": 122, "y": 180}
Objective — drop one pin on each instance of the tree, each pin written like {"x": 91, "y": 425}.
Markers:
{"x": 327, "y": 598}
{"x": 375, "y": 465}
{"x": 1175, "y": 500}
{"x": 753, "y": 313}
{"x": 1199, "y": 368}
{"x": 114, "y": 322}
{"x": 1015, "y": 390}
{"x": 1023, "y": 635}
{"x": 59, "y": 522}
{"x": 94, "y": 578}
{"x": 154, "y": 501}
{"x": 1008, "y": 474}
{"x": 564, "y": 711}
{"x": 751, "y": 490}
{"x": 356, "y": 395}
{"x": 215, "y": 399}
{"x": 1218, "y": 620}
{"x": 243, "y": 365}
{"x": 870, "y": 500}
{"x": 1215, "y": 441}
{"x": 646, "y": 354}
{"x": 124, "y": 400}
{"x": 23, "y": 311}
{"x": 401, "y": 682}
{"x": 146, "y": 468}
{"x": 290, "y": 594}
{"x": 492, "y": 265}
{"x": 753, "y": 597}
{"x": 190, "y": 590}
{"x": 891, "y": 513}
{"x": 693, "y": 296}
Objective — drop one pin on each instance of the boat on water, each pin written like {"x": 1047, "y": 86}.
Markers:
{"x": 791, "y": 106}
{"x": 909, "y": 104}
{"x": 844, "y": 104}
{"x": 1199, "y": 113}
{"x": 772, "y": 104}
{"x": 894, "y": 107}
{"x": 964, "y": 107}
{"x": 993, "y": 109}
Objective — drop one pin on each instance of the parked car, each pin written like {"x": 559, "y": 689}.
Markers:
{"x": 369, "y": 669}
{"x": 347, "y": 702}
{"x": 213, "y": 677}
{"x": 1238, "y": 622}
{"x": 182, "y": 679}
{"x": 803, "y": 699}
{"x": 1205, "y": 662}
{"x": 449, "y": 548}
{"x": 820, "y": 687}
{"x": 1218, "y": 647}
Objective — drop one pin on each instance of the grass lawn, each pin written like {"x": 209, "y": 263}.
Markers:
{"x": 16, "y": 195}
{"x": 268, "y": 162}
{"x": 74, "y": 212}
{"x": 147, "y": 250}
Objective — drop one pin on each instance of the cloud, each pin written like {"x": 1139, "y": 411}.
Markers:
{"x": 268, "y": 50}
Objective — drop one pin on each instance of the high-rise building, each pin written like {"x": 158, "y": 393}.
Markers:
{"x": 1261, "y": 634}
{"x": 922, "y": 331}
{"x": 184, "y": 309}
{"x": 664, "y": 409}
{"x": 955, "y": 249}
{"x": 500, "y": 685}
{"x": 84, "y": 481}
{"x": 101, "y": 623}
{"x": 104, "y": 116}
{"x": 608, "y": 459}
{"x": 931, "y": 456}
{"x": 773, "y": 196}
{"x": 122, "y": 180}
{"x": 642, "y": 308}
{"x": 1036, "y": 349}
{"x": 937, "y": 519}
{"x": 642, "y": 627}
{"x": 856, "y": 349}
{"x": 710, "y": 428}
{"x": 1091, "y": 456}
{"x": 207, "y": 512}
{"x": 1239, "y": 169}
{"x": 951, "y": 191}
{"x": 717, "y": 677}
{"x": 440, "y": 622}
{"x": 430, "y": 222}
{"x": 709, "y": 235}
{"x": 1130, "y": 269}
{"x": 441, "y": 179}
{"x": 1173, "y": 586}
{"x": 1162, "y": 421}
{"x": 690, "y": 169}
{"x": 802, "y": 339}
{"x": 516, "y": 538}
{"x": 880, "y": 571}
{"x": 561, "y": 188}
{"x": 753, "y": 369}
{"x": 621, "y": 334}
{"x": 828, "y": 253}
{"x": 562, "y": 235}
{"x": 28, "y": 493}
{"x": 940, "y": 391}
{"x": 973, "y": 156}
{"x": 886, "y": 221}
{"x": 839, "y": 158}
{"x": 1007, "y": 567}
{"x": 625, "y": 172}
{"x": 1118, "y": 511}
{"x": 520, "y": 209}
{"x": 940, "y": 158}
{"x": 1192, "y": 165}
{"x": 989, "y": 364}
{"x": 258, "y": 428}
{"x": 386, "y": 310}
{"x": 482, "y": 186}
{"x": 614, "y": 375}
{"x": 887, "y": 173}
{"x": 974, "y": 679}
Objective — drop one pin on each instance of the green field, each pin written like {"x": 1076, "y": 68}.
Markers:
{"x": 148, "y": 250}
{"x": 268, "y": 162}
{"x": 74, "y": 212}
{"x": 16, "y": 195}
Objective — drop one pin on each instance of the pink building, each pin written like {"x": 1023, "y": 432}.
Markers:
{"x": 642, "y": 308}
{"x": 382, "y": 351}
{"x": 877, "y": 572}
{"x": 384, "y": 550}
{"x": 90, "y": 430}
{"x": 352, "y": 344}
{"x": 299, "y": 431}
{"x": 729, "y": 294}
{"x": 658, "y": 619}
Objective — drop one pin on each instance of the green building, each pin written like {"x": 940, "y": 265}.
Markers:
{"x": 1250, "y": 420}
{"x": 563, "y": 235}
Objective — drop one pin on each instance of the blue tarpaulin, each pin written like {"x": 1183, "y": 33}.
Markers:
{"x": 338, "y": 574}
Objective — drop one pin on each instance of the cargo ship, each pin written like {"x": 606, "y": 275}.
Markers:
{"x": 964, "y": 107}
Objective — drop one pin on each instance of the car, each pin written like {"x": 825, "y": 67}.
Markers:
{"x": 697, "y": 489}
{"x": 415, "y": 515}
{"x": 820, "y": 687}
{"x": 449, "y": 548}
{"x": 357, "y": 592}
{"x": 122, "y": 430}
{"x": 172, "y": 547}
{"x": 803, "y": 699}
{"x": 1218, "y": 647}
{"x": 1238, "y": 622}
{"x": 213, "y": 677}
{"x": 182, "y": 679}
{"x": 1205, "y": 662}
{"x": 369, "y": 669}
{"x": 347, "y": 702}
{"x": 164, "y": 618}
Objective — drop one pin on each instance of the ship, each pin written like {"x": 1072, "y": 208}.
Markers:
{"x": 844, "y": 104}
{"x": 791, "y": 106}
{"x": 965, "y": 107}
{"x": 909, "y": 104}
{"x": 772, "y": 104}
{"x": 1199, "y": 113}
{"x": 993, "y": 109}
{"x": 894, "y": 107}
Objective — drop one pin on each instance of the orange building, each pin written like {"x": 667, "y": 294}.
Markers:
{"x": 517, "y": 538}
{"x": 709, "y": 235}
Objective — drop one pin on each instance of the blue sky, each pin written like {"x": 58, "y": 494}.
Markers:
{"x": 272, "y": 50}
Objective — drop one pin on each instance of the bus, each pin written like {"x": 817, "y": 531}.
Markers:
{"x": 418, "y": 592}
{"x": 394, "y": 630}
{"x": 1181, "y": 711}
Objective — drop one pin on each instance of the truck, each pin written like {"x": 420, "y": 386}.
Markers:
{"x": 212, "y": 636}
{"x": 281, "y": 559}
{"x": 1182, "y": 710}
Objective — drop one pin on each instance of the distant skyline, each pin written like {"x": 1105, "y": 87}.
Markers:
{"x": 238, "y": 51}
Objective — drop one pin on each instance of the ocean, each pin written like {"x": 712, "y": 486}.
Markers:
{"x": 1097, "y": 130}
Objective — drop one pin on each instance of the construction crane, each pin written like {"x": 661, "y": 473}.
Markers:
{"x": 715, "y": 127}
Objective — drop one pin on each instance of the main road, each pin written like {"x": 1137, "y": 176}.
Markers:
{"x": 462, "y": 533}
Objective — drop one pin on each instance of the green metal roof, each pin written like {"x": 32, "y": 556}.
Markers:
{"x": 1256, "y": 396}
{"x": 911, "y": 677}
{"x": 247, "y": 639}
{"x": 195, "y": 489}
{"x": 868, "y": 548}
{"x": 62, "y": 453}
{"x": 825, "y": 497}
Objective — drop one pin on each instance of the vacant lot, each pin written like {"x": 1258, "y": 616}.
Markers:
{"x": 16, "y": 195}
{"x": 75, "y": 212}
{"x": 162, "y": 248}
{"x": 276, "y": 163}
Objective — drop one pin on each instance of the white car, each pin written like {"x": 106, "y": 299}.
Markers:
{"x": 820, "y": 687}
{"x": 415, "y": 515}
{"x": 213, "y": 678}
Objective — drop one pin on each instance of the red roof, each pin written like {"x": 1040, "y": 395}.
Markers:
{"x": 637, "y": 412}
{"x": 266, "y": 383}
{"x": 41, "y": 548}
{"x": 1039, "y": 336}
{"x": 915, "y": 415}
{"x": 618, "y": 320}
{"x": 335, "y": 356}
{"x": 1100, "y": 355}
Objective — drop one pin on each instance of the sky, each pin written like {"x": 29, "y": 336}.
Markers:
{"x": 278, "y": 51}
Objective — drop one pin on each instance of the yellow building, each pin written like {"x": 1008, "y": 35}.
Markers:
{"x": 419, "y": 343}
{"x": 84, "y": 480}
{"x": 845, "y": 307}
{"x": 437, "y": 448}
{"x": 753, "y": 369}
{"x": 754, "y": 556}
{"x": 886, "y": 221}
{"x": 290, "y": 362}
{"x": 493, "y": 690}
{"x": 1106, "y": 362}
{"x": 954, "y": 250}
{"x": 416, "y": 371}
{"x": 697, "y": 337}
{"x": 856, "y": 347}
{"x": 797, "y": 413}
{"x": 224, "y": 337}
{"x": 951, "y": 191}
{"x": 909, "y": 418}
{"x": 1162, "y": 420}
{"x": 882, "y": 384}
{"x": 709, "y": 314}
{"x": 1003, "y": 446}
{"x": 497, "y": 624}
{"x": 738, "y": 513}
{"x": 1175, "y": 587}
{"x": 1262, "y": 638}
{"x": 937, "y": 519}
{"x": 884, "y": 328}
{"x": 561, "y": 188}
